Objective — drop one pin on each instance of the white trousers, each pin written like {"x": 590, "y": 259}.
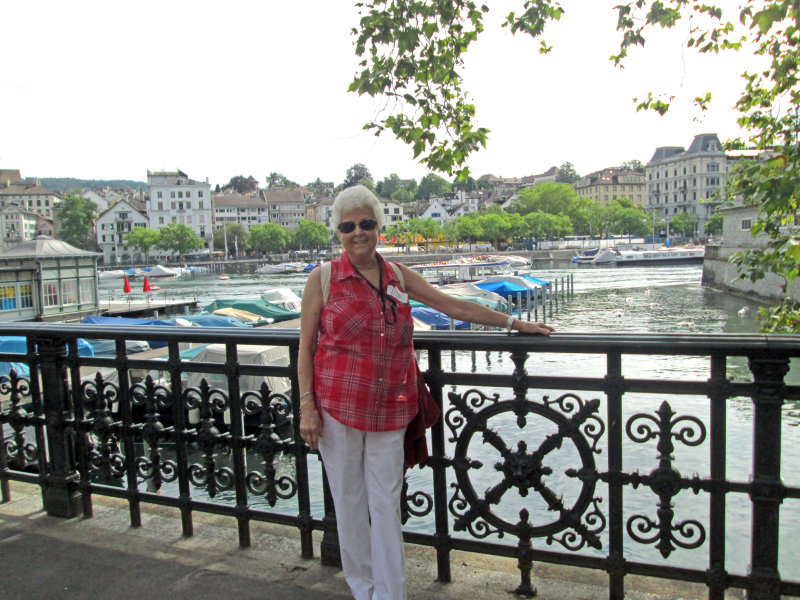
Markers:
{"x": 365, "y": 473}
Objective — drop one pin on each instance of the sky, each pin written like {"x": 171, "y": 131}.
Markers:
{"x": 110, "y": 90}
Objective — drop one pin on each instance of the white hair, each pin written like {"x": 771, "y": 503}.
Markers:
{"x": 355, "y": 198}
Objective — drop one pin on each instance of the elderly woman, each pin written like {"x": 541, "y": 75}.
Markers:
{"x": 357, "y": 381}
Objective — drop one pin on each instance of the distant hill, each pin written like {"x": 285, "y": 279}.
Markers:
{"x": 64, "y": 184}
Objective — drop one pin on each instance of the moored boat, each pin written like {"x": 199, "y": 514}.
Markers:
{"x": 660, "y": 256}
{"x": 461, "y": 270}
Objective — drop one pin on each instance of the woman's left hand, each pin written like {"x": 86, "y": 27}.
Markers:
{"x": 536, "y": 327}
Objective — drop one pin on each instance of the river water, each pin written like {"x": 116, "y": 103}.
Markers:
{"x": 632, "y": 299}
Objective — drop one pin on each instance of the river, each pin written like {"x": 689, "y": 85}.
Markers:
{"x": 664, "y": 299}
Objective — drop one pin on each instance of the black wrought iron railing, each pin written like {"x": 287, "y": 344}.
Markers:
{"x": 575, "y": 449}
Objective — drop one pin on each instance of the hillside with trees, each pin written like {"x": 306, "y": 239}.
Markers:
{"x": 65, "y": 184}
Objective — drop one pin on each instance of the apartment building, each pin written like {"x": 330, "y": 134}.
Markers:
{"x": 611, "y": 184}
{"x": 690, "y": 181}
{"x": 176, "y": 198}
{"x": 112, "y": 226}
{"x": 28, "y": 194}
{"x": 286, "y": 207}
{"x": 247, "y": 210}
{"x": 17, "y": 225}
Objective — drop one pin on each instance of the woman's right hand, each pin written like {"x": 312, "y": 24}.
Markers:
{"x": 310, "y": 425}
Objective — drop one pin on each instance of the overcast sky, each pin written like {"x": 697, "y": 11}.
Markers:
{"x": 108, "y": 90}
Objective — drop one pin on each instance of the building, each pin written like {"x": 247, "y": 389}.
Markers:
{"x": 17, "y": 225}
{"x": 690, "y": 181}
{"x": 393, "y": 212}
{"x": 27, "y": 194}
{"x": 176, "y": 198}
{"x": 286, "y": 207}
{"x": 112, "y": 226}
{"x": 247, "y": 210}
{"x": 611, "y": 184}
{"x": 47, "y": 279}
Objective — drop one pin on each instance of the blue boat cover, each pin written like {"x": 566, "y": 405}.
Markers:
{"x": 437, "y": 319}
{"x": 98, "y": 320}
{"x": 504, "y": 288}
{"x": 540, "y": 282}
{"x": 211, "y": 320}
{"x": 17, "y": 344}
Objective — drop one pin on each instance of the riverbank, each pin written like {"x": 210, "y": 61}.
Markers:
{"x": 156, "y": 561}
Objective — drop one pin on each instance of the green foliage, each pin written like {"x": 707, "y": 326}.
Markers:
{"x": 567, "y": 174}
{"x": 78, "y": 215}
{"x": 714, "y": 224}
{"x": 548, "y": 197}
{"x": 268, "y": 237}
{"x": 428, "y": 229}
{"x": 242, "y": 184}
{"x": 412, "y": 53}
{"x": 683, "y": 224}
{"x": 355, "y": 175}
{"x": 236, "y": 236}
{"x": 179, "y": 239}
{"x": 402, "y": 196}
{"x": 468, "y": 184}
{"x": 276, "y": 180}
{"x": 143, "y": 238}
{"x": 633, "y": 165}
{"x": 432, "y": 186}
{"x": 310, "y": 234}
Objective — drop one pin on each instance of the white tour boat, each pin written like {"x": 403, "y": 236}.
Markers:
{"x": 661, "y": 256}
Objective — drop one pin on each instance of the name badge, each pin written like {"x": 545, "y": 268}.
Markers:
{"x": 397, "y": 294}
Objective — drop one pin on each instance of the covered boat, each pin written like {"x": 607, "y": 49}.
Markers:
{"x": 159, "y": 271}
{"x": 108, "y": 346}
{"x": 436, "y": 319}
{"x": 283, "y": 297}
{"x": 257, "y": 306}
{"x": 17, "y": 344}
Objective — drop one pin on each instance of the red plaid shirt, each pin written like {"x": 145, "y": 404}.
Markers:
{"x": 364, "y": 375}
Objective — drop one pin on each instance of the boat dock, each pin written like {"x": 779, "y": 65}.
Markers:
{"x": 154, "y": 307}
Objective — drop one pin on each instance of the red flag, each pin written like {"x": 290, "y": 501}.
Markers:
{"x": 146, "y": 286}
{"x": 127, "y": 287}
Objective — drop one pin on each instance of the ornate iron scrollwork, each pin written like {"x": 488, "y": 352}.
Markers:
{"x": 151, "y": 467}
{"x": 19, "y": 453}
{"x": 274, "y": 412}
{"x": 213, "y": 444}
{"x": 526, "y": 468}
{"x": 105, "y": 458}
{"x": 665, "y": 480}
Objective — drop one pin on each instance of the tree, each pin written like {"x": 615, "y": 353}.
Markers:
{"x": 268, "y": 237}
{"x": 236, "y": 236}
{"x": 714, "y": 224}
{"x": 427, "y": 229}
{"x": 276, "y": 180}
{"x": 243, "y": 185}
{"x": 78, "y": 215}
{"x": 402, "y": 196}
{"x": 318, "y": 188}
{"x": 179, "y": 239}
{"x": 389, "y": 185}
{"x": 549, "y": 197}
{"x": 633, "y": 165}
{"x": 310, "y": 234}
{"x": 467, "y": 184}
{"x": 683, "y": 224}
{"x": 355, "y": 174}
{"x": 432, "y": 186}
{"x": 567, "y": 174}
{"x": 144, "y": 239}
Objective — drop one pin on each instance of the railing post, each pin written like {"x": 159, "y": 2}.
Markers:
{"x": 766, "y": 488}
{"x": 61, "y": 495}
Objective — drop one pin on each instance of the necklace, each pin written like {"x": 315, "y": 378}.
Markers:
{"x": 380, "y": 292}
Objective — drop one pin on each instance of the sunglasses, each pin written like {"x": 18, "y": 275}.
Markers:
{"x": 350, "y": 226}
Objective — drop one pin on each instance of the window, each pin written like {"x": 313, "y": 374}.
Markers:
{"x": 202, "y": 219}
{"x": 25, "y": 295}
{"x": 200, "y": 205}
{"x": 746, "y": 224}
{"x": 8, "y": 297}
{"x": 159, "y": 195}
{"x": 51, "y": 294}
{"x": 160, "y": 220}
{"x": 172, "y": 194}
{"x": 69, "y": 292}
{"x": 200, "y": 195}
{"x": 188, "y": 193}
{"x": 713, "y": 168}
{"x": 160, "y": 206}
{"x": 180, "y": 194}
{"x": 87, "y": 291}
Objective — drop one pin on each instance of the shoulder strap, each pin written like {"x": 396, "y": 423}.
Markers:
{"x": 325, "y": 278}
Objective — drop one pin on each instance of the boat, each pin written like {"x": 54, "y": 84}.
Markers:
{"x": 660, "y": 256}
{"x": 257, "y": 306}
{"x": 283, "y": 297}
{"x": 461, "y": 270}
{"x": 224, "y": 277}
{"x": 159, "y": 271}
{"x": 111, "y": 274}
{"x": 267, "y": 269}
{"x": 586, "y": 256}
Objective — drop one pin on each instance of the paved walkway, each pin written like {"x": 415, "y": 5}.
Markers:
{"x": 103, "y": 557}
